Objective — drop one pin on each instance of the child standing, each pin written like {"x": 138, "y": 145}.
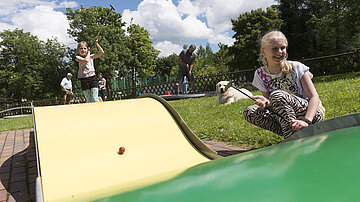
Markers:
{"x": 86, "y": 73}
{"x": 287, "y": 89}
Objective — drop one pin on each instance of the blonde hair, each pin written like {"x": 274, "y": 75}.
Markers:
{"x": 267, "y": 39}
{"x": 80, "y": 44}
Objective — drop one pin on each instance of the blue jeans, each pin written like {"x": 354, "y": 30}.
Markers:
{"x": 91, "y": 95}
{"x": 102, "y": 93}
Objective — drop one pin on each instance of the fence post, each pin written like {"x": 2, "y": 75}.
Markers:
{"x": 357, "y": 59}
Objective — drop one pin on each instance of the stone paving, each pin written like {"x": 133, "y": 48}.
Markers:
{"x": 18, "y": 167}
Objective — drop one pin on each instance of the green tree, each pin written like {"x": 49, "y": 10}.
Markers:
{"x": 320, "y": 27}
{"x": 222, "y": 58}
{"x": 334, "y": 27}
{"x": 141, "y": 55}
{"x": 295, "y": 15}
{"x": 56, "y": 58}
{"x": 165, "y": 65}
{"x": 249, "y": 28}
{"x": 205, "y": 61}
{"x": 30, "y": 68}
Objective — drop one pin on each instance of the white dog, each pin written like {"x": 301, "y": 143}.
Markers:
{"x": 227, "y": 94}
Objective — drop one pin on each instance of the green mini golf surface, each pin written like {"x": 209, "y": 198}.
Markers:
{"x": 324, "y": 167}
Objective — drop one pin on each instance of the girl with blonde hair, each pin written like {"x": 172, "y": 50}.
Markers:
{"x": 86, "y": 73}
{"x": 286, "y": 88}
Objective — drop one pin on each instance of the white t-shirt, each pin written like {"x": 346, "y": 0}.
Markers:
{"x": 290, "y": 83}
{"x": 66, "y": 83}
{"x": 88, "y": 69}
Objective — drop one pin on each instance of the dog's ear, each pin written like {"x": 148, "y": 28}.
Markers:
{"x": 228, "y": 85}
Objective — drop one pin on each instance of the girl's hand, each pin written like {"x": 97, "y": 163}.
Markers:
{"x": 261, "y": 101}
{"x": 96, "y": 40}
{"x": 298, "y": 124}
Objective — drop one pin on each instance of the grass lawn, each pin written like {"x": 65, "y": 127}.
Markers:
{"x": 16, "y": 123}
{"x": 340, "y": 95}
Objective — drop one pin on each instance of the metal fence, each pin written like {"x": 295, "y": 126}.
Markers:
{"x": 327, "y": 65}
{"x": 334, "y": 64}
{"x": 202, "y": 84}
{"x": 22, "y": 110}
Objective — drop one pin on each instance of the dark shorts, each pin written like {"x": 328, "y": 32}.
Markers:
{"x": 89, "y": 82}
{"x": 67, "y": 92}
{"x": 182, "y": 74}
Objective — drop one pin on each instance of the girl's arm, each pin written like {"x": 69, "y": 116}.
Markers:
{"x": 83, "y": 60}
{"x": 314, "y": 101}
{"x": 310, "y": 92}
{"x": 101, "y": 51}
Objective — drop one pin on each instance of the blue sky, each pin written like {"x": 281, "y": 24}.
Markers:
{"x": 171, "y": 23}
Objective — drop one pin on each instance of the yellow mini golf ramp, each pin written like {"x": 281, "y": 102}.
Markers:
{"x": 77, "y": 147}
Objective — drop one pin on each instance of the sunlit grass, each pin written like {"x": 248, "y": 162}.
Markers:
{"x": 16, "y": 123}
{"x": 339, "y": 95}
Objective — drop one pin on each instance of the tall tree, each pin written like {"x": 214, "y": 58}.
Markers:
{"x": 86, "y": 23}
{"x": 320, "y": 27}
{"x": 295, "y": 15}
{"x": 30, "y": 68}
{"x": 205, "y": 62}
{"x": 141, "y": 55}
{"x": 248, "y": 28}
{"x": 222, "y": 58}
{"x": 164, "y": 65}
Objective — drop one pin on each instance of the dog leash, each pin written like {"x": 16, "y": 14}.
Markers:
{"x": 266, "y": 108}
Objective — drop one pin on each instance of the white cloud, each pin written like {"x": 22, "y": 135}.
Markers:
{"x": 5, "y": 26}
{"x": 37, "y": 17}
{"x": 219, "y": 13}
{"x": 68, "y": 4}
{"x": 167, "y": 48}
{"x": 44, "y": 22}
{"x": 170, "y": 25}
{"x": 186, "y": 7}
{"x": 208, "y": 20}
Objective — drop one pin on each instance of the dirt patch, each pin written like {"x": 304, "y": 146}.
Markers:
{"x": 223, "y": 148}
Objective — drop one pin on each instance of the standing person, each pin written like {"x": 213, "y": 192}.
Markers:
{"x": 66, "y": 87}
{"x": 86, "y": 73}
{"x": 287, "y": 89}
{"x": 184, "y": 85}
{"x": 186, "y": 64}
{"x": 102, "y": 86}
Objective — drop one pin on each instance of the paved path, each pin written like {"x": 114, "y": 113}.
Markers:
{"x": 18, "y": 166}
{"x": 18, "y": 169}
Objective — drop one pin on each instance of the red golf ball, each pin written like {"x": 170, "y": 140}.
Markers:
{"x": 121, "y": 150}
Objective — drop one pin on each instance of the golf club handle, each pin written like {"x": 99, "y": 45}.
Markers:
{"x": 97, "y": 37}
{"x": 111, "y": 8}
{"x": 92, "y": 44}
